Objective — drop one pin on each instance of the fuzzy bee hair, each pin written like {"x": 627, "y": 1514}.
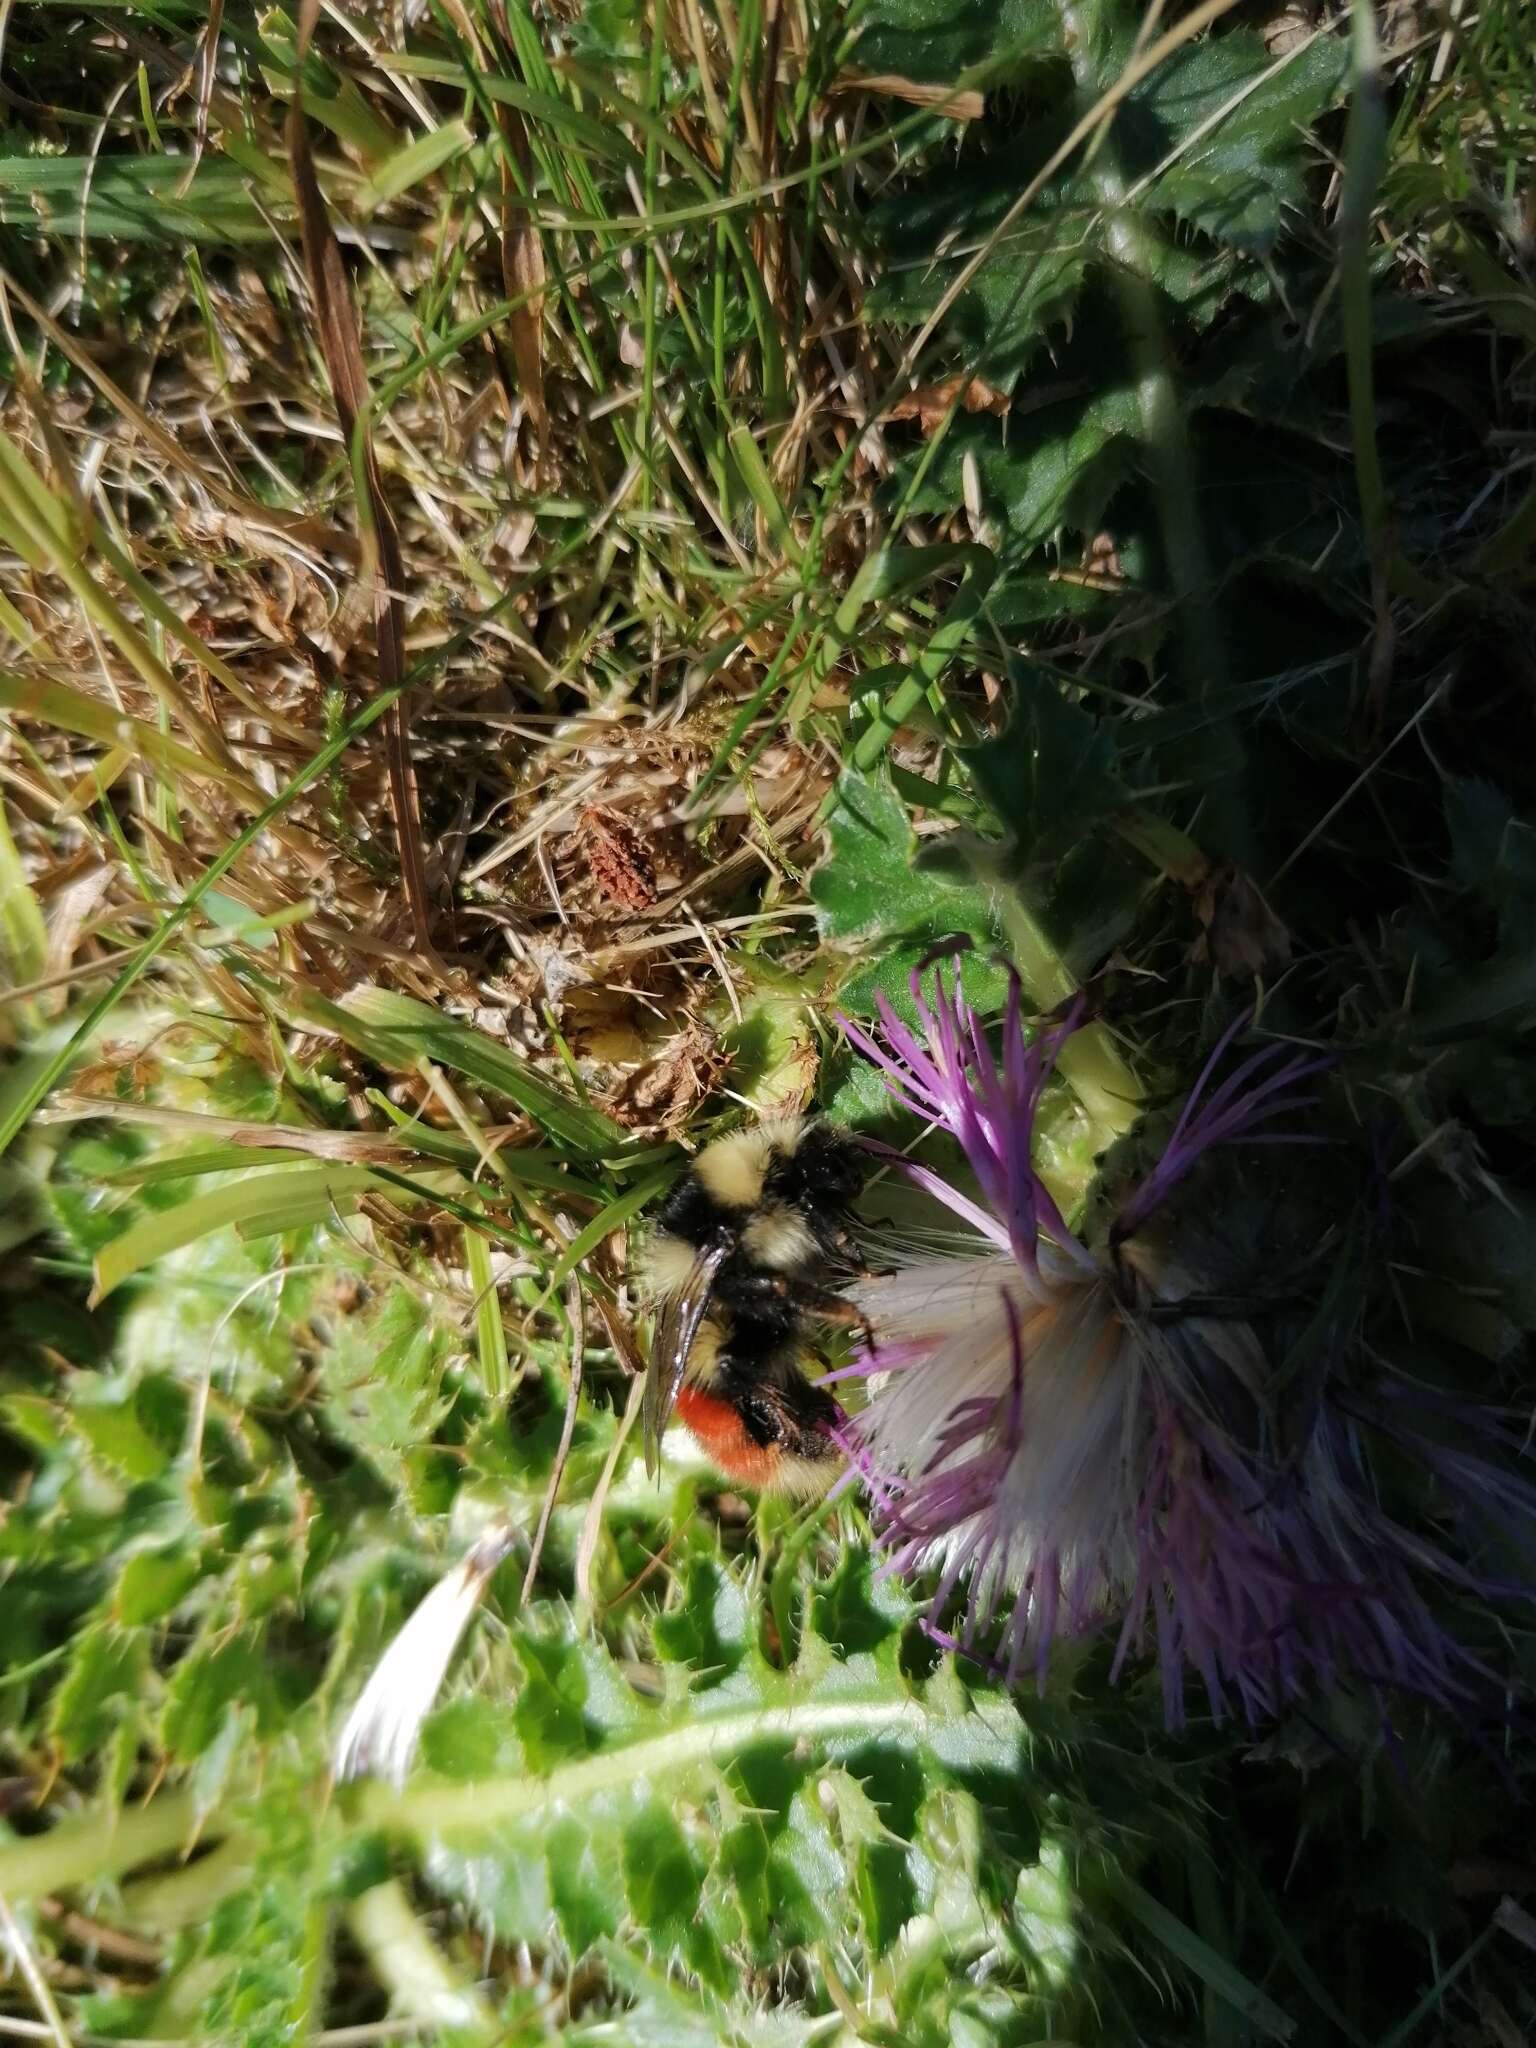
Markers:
{"x": 783, "y": 1188}
{"x": 740, "y": 1261}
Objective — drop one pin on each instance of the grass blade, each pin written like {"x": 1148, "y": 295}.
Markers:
{"x": 490, "y": 1331}
{"x": 258, "y": 1194}
{"x": 398, "y": 1031}
{"x": 23, "y": 932}
{"x": 1186, "y": 1947}
{"x": 607, "y": 1220}
{"x": 58, "y": 704}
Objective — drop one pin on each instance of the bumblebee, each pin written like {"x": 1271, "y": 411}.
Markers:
{"x": 742, "y": 1260}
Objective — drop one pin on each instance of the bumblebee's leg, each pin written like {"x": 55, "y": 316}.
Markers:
{"x": 832, "y": 1308}
{"x": 810, "y": 1416}
{"x": 842, "y": 1246}
{"x": 793, "y": 1418}
{"x": 805, "y": 1298}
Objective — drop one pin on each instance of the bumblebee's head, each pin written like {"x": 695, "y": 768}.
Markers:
{"x": 825, "y": 1171}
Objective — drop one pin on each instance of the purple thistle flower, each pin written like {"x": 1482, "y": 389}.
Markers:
{"x": 949, "y": 1076}
{"x": 1068, "y": 1452}
{"x": 1263, "y": 1087}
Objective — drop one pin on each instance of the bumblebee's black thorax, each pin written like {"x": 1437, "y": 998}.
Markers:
{"x": 820, "y": 1181}
{"x": 690, "y": 1212}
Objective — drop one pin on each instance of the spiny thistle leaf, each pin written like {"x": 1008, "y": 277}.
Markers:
{"x": 102, "y": 1681}
{"x": 1219, "y": 133}
{"x": 1053, "y": 766}
{"x": 1026, "y": 286}
{"x": 936, "y": 40}
{"x": 871, "y": 893}
{"x": 756, "y": 1798}
{"x": 1235, "y": 120}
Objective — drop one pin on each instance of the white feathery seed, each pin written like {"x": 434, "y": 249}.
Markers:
{"x": 384, "y": 1728}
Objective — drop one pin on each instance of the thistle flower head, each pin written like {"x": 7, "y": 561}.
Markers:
{"x": 1072, "y": 1440}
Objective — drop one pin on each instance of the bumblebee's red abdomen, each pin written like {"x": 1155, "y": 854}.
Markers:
{"x": 718, "y": 1431}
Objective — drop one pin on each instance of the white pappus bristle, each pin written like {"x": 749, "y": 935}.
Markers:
{"x": 383, "y": 1729}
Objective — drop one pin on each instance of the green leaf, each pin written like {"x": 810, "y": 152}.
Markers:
{"x": 222, "y": 1755}
{"x": 870, "y": 891}
{"x": 1238, "y": 178}
{"x": 853, "y": 1611}
{"x": 383, "y": 1374}
{"x": 608, "y": 1219}
{"x": 72, "y": 710}
{"x": 132, "y": 199}
{"x": 935, "y": 40}
{"x": 1027, "y": 284}
{"x": 548, "y": 1716}
{"x": 743, "y": 1867}
{"x": 23, "y": 932}
{"x": 120, "y": 1754}
{"x": 222, "y": 1304}
{"x": 208, "y": 1681}
{"x": 330, "y": 97}
{"x": 708, "y": 1628}
{"x": 105, "y": 1676}
{"x": 699, "y": 1816}
{"x": 153, "y": 1584}
{"x": 1051, "y": 769}
{"x": 124, "y": 1432}
{"x": 583, "y": 1900}
{"x": 410, "y": 165}
{"x": 1055, "y": 468}
{"x": 254, "y": 1198}
{"x": 875, "y": 1800}
{"x": 661, "y": 1879}
{"x": 257, "y": 1970}
{"x": 883, "y": 1891}
{"x": 773, "y": 1049}
{"x": 575, "y": 130}
{"x": 1493, "y": 862}
{"x": 468, "y": 1738}
{"x": 399, "y": 1032}
{"x": 490, "y": 1331}
{"x": 37, "y": 1421}
{"x": 891, "y": 695}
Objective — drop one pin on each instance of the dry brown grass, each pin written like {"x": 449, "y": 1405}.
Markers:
{"x": 589, "y": 574}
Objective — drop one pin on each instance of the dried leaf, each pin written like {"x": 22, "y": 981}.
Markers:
{"x": 929, "y": 404}
{"x": 953, "y": 104}
{"x": 660, "y": 1095}
{"x": 1239, "y": 933}
{"x": 250, "y": 515}
{"x": 523, "y": 271}
{"x": 523, "y": 274}
{"x": 93, "y": 1096}
{"x": 618, "y": 858}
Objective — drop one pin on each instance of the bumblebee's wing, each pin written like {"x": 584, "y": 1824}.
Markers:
{"x": 672, "y": 1341}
